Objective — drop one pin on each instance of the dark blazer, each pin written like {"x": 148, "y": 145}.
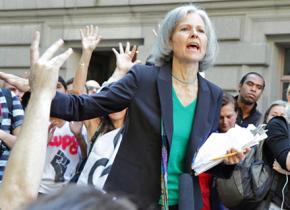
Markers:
{"x": 277, "y": 145}
{"x": 147, "y": 92}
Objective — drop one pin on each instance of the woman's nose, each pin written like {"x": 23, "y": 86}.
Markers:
{"x": 194, "y": 33}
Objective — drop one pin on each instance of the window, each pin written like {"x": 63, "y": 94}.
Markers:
{"x": 285, "y": 79}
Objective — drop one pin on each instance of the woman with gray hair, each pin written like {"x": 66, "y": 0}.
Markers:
{"x": 277, "y": 108}
{"x": 171, "y": 112}
{"x": 277, "y": 152}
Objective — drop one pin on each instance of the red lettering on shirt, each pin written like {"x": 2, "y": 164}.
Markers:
{"x": 74, "y": 148}
{"x": 55, "y": 142}
{"x": 65, "y": 142}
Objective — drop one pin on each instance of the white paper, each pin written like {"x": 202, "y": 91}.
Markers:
{"x": 218, "y": 144}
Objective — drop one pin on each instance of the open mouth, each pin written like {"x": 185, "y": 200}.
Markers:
{"x": 193, "y": 45}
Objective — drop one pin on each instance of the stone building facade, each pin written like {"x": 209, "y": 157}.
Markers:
{"x": 254, "y": 35}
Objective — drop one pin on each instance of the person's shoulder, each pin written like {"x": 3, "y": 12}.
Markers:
{"x": 278, "y": 119}
{"x": 145, "y": 70}
{"x": 279, "y": 122}
{"x": 142, "y": 67}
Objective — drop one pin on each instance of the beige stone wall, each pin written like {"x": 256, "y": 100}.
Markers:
{"x": 251, "y": 33}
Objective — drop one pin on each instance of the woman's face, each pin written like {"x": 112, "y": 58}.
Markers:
{"x": 189, "y": 39}
{"x": 277, "y": 110}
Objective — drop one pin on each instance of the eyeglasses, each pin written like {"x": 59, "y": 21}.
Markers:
{"x": 91, "y": 88}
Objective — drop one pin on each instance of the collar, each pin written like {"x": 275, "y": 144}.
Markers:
{"x": 240, "y": 111}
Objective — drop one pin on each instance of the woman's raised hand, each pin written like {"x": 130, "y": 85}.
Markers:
{"x": 90, "y": 37}
{"x": 125, "y": 59}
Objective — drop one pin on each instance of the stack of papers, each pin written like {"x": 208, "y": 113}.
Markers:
{"x": 218, "y": 144}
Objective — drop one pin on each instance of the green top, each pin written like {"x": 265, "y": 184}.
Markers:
{"x": 182, "y": 123}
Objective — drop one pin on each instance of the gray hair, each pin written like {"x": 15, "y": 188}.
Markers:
{"x": 162, "y": 52}
{"x": 273, "y": 104}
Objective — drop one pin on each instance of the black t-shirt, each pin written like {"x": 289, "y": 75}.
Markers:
{"x": 254, "y": 117}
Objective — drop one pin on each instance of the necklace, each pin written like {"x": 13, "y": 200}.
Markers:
{"x": 189, "y": 82}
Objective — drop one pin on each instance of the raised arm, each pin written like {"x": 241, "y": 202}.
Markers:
{"x": 20, "y": 83}
{"x": 111, "y": 99}
{"x": 90, "y": 40}
{"x": 18, "y": 186}
{"x": 77, "y": 128}
{"x": 124, "y": 61}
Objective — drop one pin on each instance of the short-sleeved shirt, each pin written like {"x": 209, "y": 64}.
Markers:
{"x": 62, "y": 157}
{"x": 9, "y": 121}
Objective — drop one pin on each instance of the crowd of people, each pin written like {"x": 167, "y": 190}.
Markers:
{"x": 129, "y": 143}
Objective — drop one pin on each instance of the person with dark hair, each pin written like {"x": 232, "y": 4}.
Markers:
{"x": 171, "y": 108}
{"x": 61, "y": 84}
{"x": 251, "y": 88}
{"x": 69, "y": 84}
{"x": 245, "y": 77}
{"x": 105, "y": 145}
{"x": 75, "y": 197}
{"x": 228, "y": 115}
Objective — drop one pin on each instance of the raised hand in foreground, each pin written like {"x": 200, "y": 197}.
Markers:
{"x": 24, "y": 171}
{"x": 44, "y": 69}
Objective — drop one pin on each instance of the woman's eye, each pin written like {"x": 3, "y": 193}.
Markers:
{"x": 184, "y": 29}
{"x": 201, "y": 30}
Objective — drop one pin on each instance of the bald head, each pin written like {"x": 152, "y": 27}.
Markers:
{"x": 92, "y": 86}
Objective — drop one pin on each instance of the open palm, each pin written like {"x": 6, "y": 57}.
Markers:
{"x": 90, "y": 37}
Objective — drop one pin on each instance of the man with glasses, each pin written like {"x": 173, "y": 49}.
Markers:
{"x": 92, "y": 86}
